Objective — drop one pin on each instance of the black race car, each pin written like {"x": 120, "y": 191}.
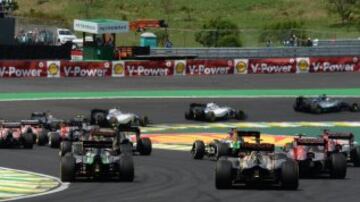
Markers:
{"x": 323, "y": 104}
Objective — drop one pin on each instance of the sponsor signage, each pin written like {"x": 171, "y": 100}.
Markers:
{"x": 272, "y": 66}
{"x": 241, "y": 66}
{"x": 22, "y": 68}
{"x": 334, "y": 64}
{"x": 302, "y": 65}
{"x": 118, "y": 69}
{"x": 180, "y": 68}
{"x": 85, "y": 69}
{"x": 101, "y": 26}
{"x": 149, "y": 68}
{"x": 209, "y": 67}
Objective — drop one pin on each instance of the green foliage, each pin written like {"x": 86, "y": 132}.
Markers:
{"x": 343, "y": 8}
{"x": 219, "y": 33}
{"x": 162, "y": 37}
{"x": 280, "y": 31}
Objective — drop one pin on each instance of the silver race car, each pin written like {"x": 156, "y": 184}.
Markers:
{"x": 115, "y": 117}
{"x": 212, "y": 112}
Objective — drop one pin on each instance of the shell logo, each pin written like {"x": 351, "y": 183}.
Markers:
{"x": 119, "y": 69}
{"x": 241, "y": 67}
{"x": 303, "y": 65}
{"x": 53, "y": 69}
{"x": 180, "y": 67}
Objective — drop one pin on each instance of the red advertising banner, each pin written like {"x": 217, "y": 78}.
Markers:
{"x": 22, "y": 68}
{"x": 334, "y": 64}
{"x": 149, "y": 68}
{"x": 209, "y": 67}
{"x": 85, "y": 69}
{"x": 272, "y": 66}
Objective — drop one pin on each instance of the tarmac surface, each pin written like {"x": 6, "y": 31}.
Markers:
{"x": 173, "y": 175}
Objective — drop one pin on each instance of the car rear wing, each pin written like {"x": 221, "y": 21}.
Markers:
{"x": 11, "y": 125}
{"x": 310, "y": 141}
{"x": 339, "y": 136}
{"x": 97, "y": 144}
{"x": 257, "y": 147}
{"x": 30, "y": 122}
{"x": 38, "y": 114}
{"x": 192, "y": 105}
{"x": 103, "y": 132}
{"x": 255, "y": 134}
{"x": 129, "y": 129}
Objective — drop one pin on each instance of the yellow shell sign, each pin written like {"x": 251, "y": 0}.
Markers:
{"x": 241, "y": 67}
{"x": 303, "y": 65}
{"x": 180, "y": 68}
{"x": 53, "y": 69}
{"x": 119, "y": 69}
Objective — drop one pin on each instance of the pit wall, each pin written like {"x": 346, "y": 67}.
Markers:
{"x": 65, "y": 68}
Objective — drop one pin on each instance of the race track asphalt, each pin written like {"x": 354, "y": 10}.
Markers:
{"x": 172, "y": 175}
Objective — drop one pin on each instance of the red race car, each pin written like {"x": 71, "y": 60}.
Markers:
{"x": 34, "y": 127}
{"x": 343, "y": 143}
{"x": 11, "y": 135}
{"x": 314, "y": 159}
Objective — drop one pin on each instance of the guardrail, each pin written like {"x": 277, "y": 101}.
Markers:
{"x": 271, "y": 52}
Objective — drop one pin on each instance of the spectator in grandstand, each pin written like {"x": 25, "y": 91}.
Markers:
{"x": 268, "y": 43}
{"x": 168, "y": 44}
{"x": 309, "y": 42}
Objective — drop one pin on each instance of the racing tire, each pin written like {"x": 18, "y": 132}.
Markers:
{"x": 55, "y": 140}
{"x": 144, "y": 121}
{"x": 210, "y": 117}
{"x": 43, "y": 138}
{"x": 240, "y": 115}
{"x": 355, "y": 156}
{"x": 126, "y": 168}
{"x": 289, "y": 176}
{"x": 65, "y": 147}
{"x": 28, "y": 140}
{"x": 189, "y": 115}
{"x": 144, "y": 146}
{"x": 198, "y": 150}
{"x": 223, "y": 174}
{"x": 338, "y": 166}
{"x": 67, "y": 168}
{"x": 354, "y": 107}
{"x": 222, "y": 149}
{"x": 317, "y": 109}
{"x": 126, "y": 148}
{"x": 298, "y": 102}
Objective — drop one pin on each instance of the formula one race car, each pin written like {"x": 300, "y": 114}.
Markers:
{"x": 138, "y": 144}
{"x": 225, "y": 147}
{"x": 96, "y": 158}
{"x": 257, "y": 164}
{"x": 114, "y": 117}
{"x": 343, "y": 143}
{"x": 314, "y": 159}
{"x": 211, "y": 112}
{"x": 11, "y": 135}
{"x": 323, "y": 104}
{"x": 72, "y": 130}
{"x": 34, "y": 127}
{"x": 46, "y": 120}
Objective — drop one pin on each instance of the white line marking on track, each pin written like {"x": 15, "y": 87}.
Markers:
{"x": 169, "y": 97}
{"x": 60, "y": 188}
